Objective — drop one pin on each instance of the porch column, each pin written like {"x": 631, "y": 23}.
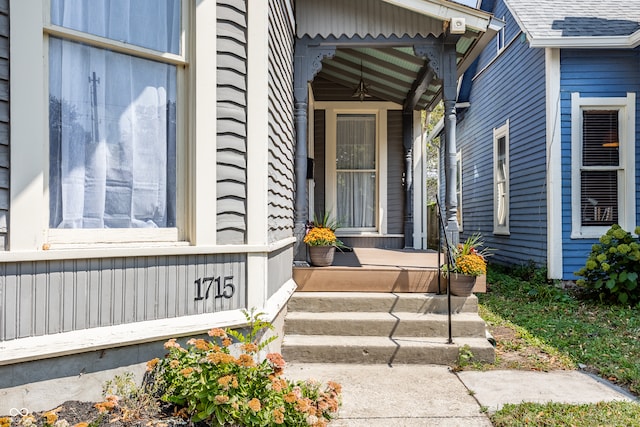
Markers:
{"x": 407, "y": 142}
{"x": 307, "y": 63}
{"x": 301, "y": 211}
{"x": 449, "y": 95}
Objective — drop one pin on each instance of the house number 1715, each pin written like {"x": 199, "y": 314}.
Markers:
{"x": 224, "y": 287}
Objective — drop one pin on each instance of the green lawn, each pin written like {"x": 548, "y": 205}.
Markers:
{"x": 600, "y": 337}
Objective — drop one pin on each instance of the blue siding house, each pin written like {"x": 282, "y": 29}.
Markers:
{"x": 547, "y": 131}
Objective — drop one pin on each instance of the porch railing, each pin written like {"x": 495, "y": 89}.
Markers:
{"x": 450, "y": 264}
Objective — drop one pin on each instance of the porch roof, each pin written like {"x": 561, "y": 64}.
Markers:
{"x": 375, "y": 40}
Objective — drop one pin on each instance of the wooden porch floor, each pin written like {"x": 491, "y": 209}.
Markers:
{"x": 376, "y": 270}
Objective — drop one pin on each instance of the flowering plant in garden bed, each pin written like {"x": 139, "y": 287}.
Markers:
{"x": 468, "y": 258}
{"x": 211, "y": 384}
{"x": 612, "y": 269}
{"x": 218, "y": 381}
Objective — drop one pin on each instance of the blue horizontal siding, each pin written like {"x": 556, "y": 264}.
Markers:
{"x": 510, "y": 87}
{"x": 592, "y": 73}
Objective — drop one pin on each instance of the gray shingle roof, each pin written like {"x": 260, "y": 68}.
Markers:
{"x": 568, "y": 19}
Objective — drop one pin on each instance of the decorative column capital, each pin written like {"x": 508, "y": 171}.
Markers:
{"x": 307, "y": 64}
{"x": 433, "y": 54}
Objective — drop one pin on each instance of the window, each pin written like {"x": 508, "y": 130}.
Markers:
{"x": 500, "y": 37}
{"x": 112, "y": 122}
{"x": 101, "y": 143}
{"x": 501, "y": 179}
{"x": 356, "y": 176}
{"x": 459, "y": 188}
{"x": 602, "y": 144}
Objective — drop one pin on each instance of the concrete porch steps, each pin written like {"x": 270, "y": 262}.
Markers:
{"x": 384, "y": 324}
{"x": 402, "y": 328}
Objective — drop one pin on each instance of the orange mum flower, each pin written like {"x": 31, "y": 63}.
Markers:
{"x": 254, "y": 405}
{"x": 276, "y": 360}
{"x": 221, "y": 399}
{"x": 200, "y": 344}
{"x": 152, "y": 364}
{"x": 278, "y": 384}
{"x": 228, "y": 381}
{"x": 217, "y": 332}
{"x": 217, "y": 358}
{"x": 186, "y": 372}
{"x": 249, "y": 348}
{"x": 278, "y": 415}
{"x": 290, "y": 397}
{"x": 246, "y": 361}
{"x": 334, "y": 386}
{"x": 171, "y": 344}
{"x": 51, "y": 417}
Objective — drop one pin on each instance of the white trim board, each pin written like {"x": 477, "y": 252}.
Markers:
{"x": 554, "y": 165}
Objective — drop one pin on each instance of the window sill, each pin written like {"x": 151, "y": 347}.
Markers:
{"x": 136, "y": 250}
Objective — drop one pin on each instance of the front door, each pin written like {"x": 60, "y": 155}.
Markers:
{"x": 356, "y": 175}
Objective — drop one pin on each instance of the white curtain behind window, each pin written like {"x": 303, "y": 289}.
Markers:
{"x": 356, "y": 170}
{"x": 112, "y": 117}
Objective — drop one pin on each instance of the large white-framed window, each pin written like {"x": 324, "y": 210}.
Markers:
{"x": 602, "y": 164}
{"x": 105, "y": 134}
{"x": 501, "y": 179}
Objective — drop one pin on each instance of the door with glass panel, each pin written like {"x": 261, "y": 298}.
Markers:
{"x": 356, "y": 175}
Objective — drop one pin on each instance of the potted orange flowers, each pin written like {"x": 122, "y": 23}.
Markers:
{"x": 467, "y": 264}
{"x": 322, "y": 241}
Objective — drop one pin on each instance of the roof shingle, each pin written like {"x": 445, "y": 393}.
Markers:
{"x": 543, "y": 19}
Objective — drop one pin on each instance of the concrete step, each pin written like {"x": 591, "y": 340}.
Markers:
{"x": 384, "y": 324}
{"x": 372, "y": 350}
{"x": 379, "y": 302}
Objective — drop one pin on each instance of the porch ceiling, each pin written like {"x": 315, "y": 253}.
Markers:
{"x": 375, "y": 40}
{"x": 392, "y": 73}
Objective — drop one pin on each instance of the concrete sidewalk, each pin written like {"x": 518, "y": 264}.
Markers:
{"x": 432, "y": 395}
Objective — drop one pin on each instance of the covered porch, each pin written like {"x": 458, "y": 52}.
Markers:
{"x": 378, "y": 270}
{"x": 361, "y": 83}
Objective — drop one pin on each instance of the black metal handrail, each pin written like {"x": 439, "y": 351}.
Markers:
{"x": 450, "y": 264}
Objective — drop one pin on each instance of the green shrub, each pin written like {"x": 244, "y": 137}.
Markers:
{"x": 222, "y": 383}
{"x": 613, "y": 267}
